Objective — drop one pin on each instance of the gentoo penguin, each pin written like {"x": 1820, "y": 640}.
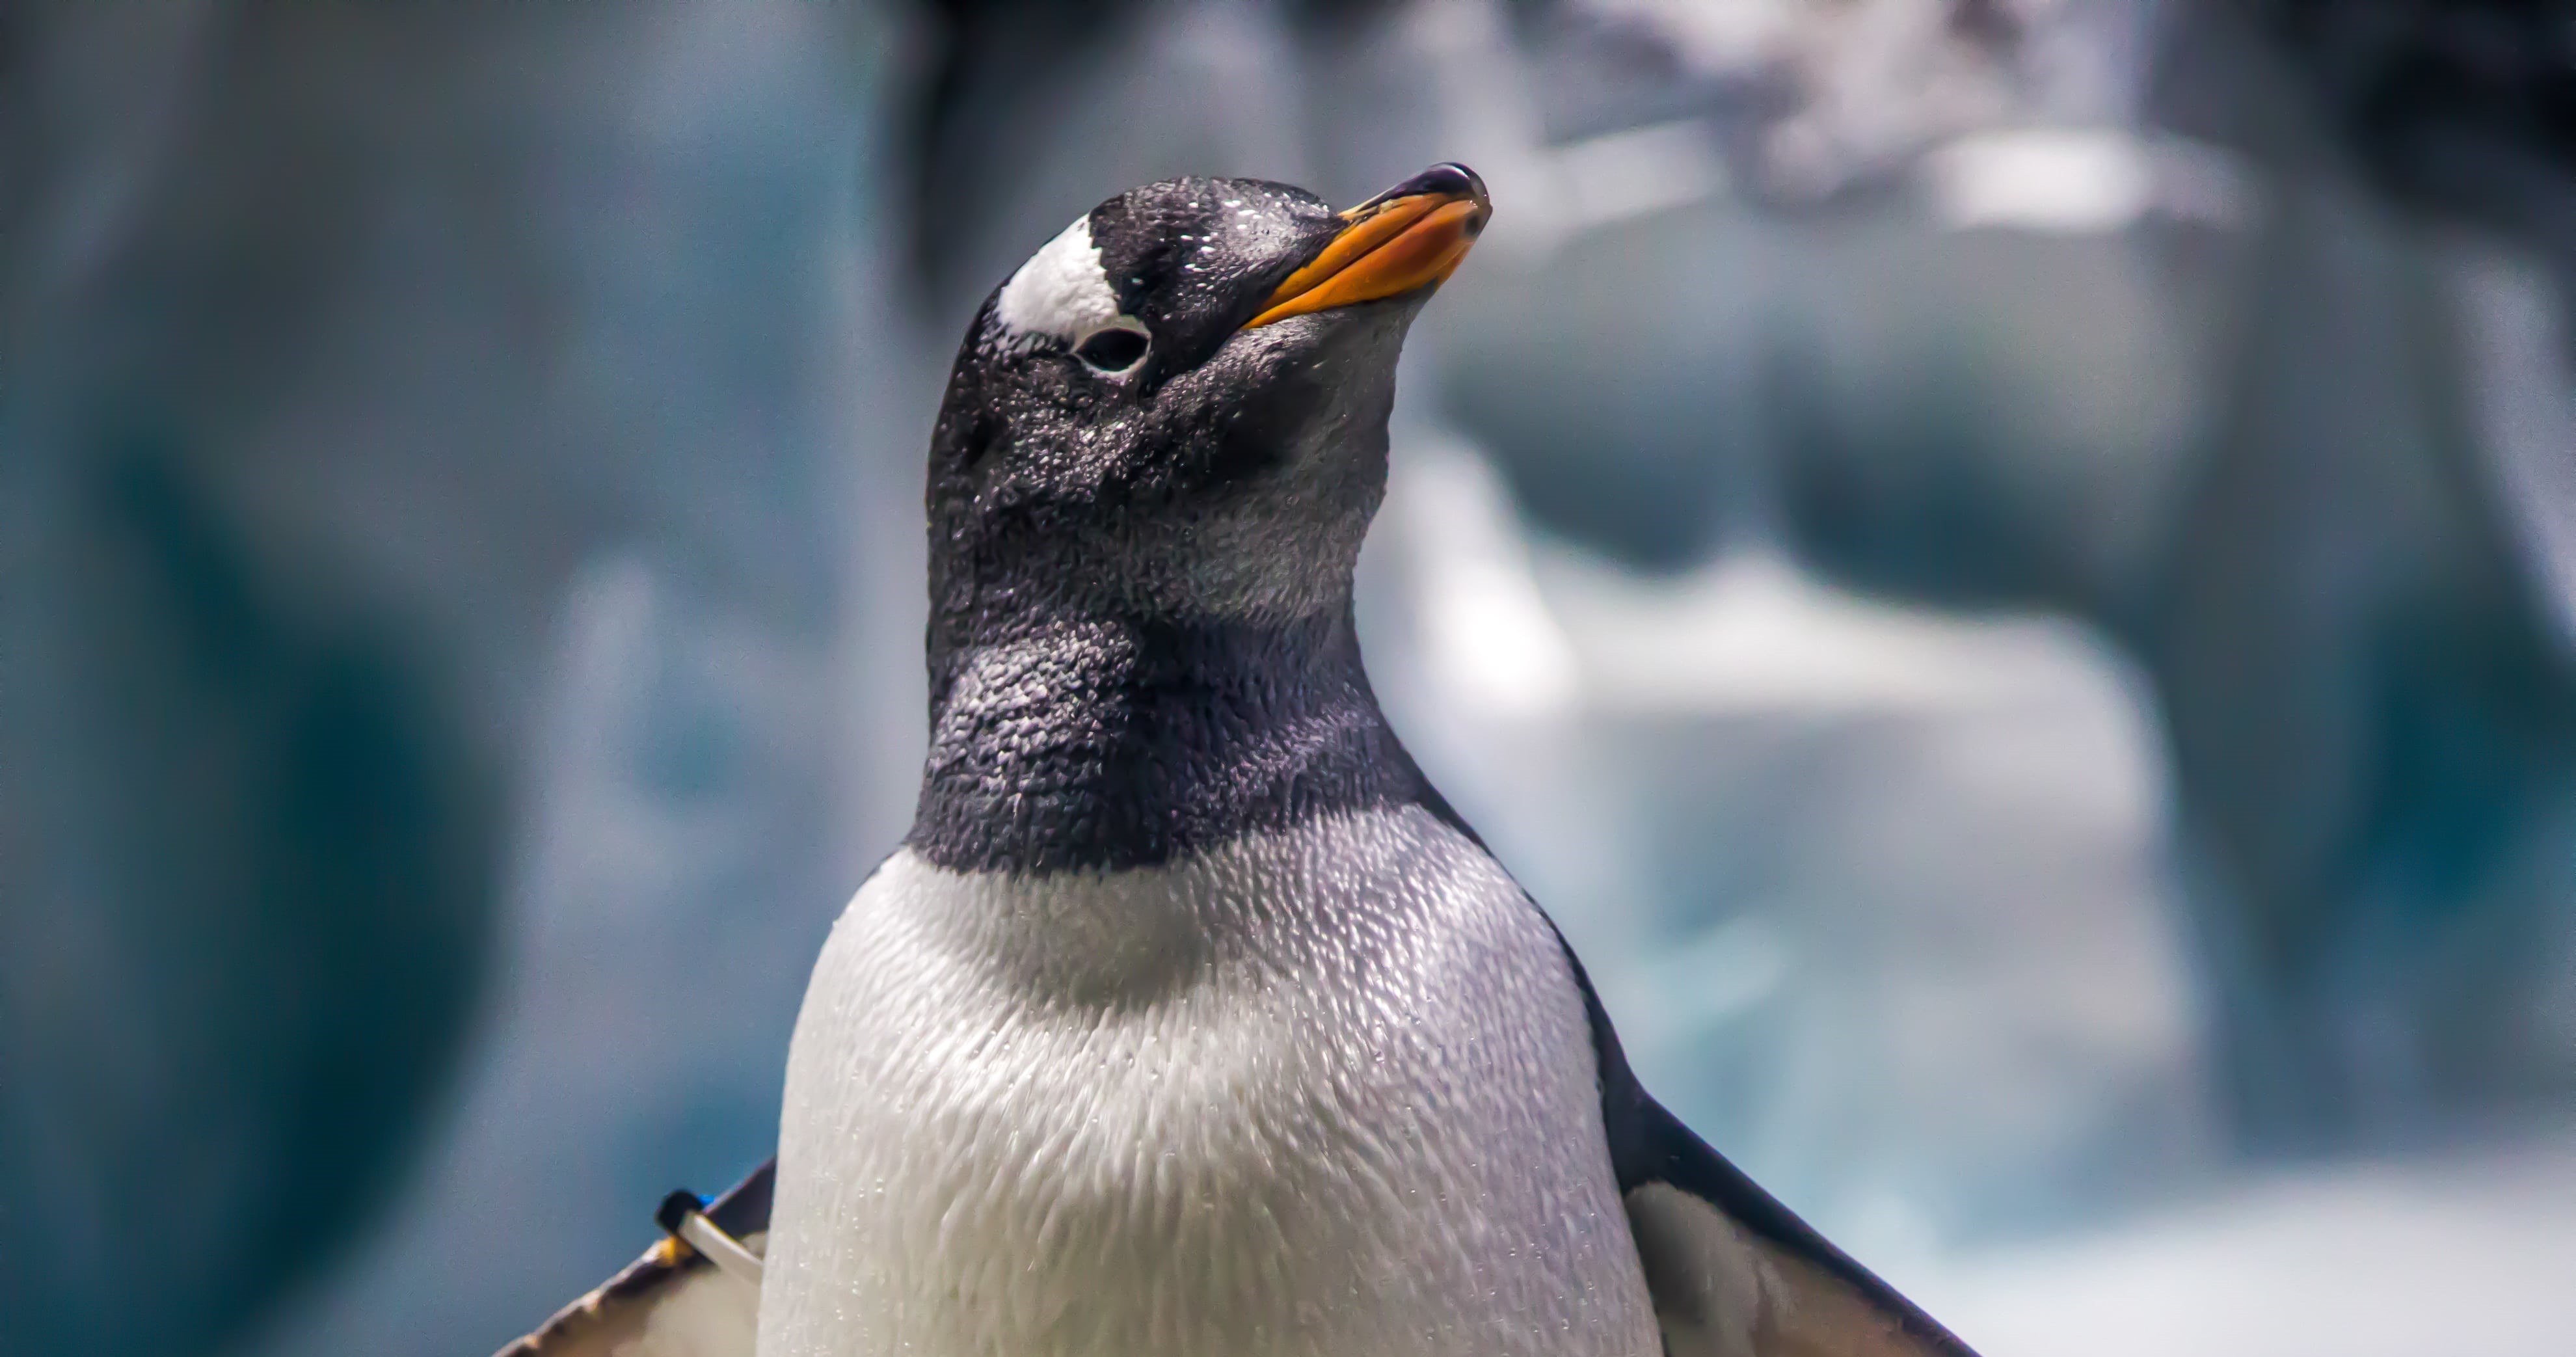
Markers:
{"x": 1189, "y": 1019}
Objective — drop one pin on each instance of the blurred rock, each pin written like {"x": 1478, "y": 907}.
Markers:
{"x": 2369, "y": 1259}
{"x": 2207, "y": 397}
{"x": 336, "y": 341}
{"x": 1875, "y": 896}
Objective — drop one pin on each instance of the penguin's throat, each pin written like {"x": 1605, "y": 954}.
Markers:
{"x": 1114, "y": 743}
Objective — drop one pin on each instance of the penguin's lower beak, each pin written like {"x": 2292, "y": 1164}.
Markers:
{"x": 1411, "y": 236}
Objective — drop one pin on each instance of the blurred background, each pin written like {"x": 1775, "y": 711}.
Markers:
{"x": 2006, "y": 568}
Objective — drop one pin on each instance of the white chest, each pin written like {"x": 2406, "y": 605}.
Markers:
{"x": 1267, "y": 1101}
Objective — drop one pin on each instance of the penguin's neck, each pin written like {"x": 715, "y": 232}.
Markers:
{"x": 1077, "y": 740}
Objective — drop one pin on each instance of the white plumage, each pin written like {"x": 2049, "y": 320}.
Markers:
{"x": 1327, "y": 1091}
{"x": 1061, "y": 292}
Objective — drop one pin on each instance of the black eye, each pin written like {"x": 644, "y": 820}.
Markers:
{"x": 1114, "y": 350}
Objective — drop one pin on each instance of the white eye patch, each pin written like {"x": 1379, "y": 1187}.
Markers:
{"x": 1061, "y": 293}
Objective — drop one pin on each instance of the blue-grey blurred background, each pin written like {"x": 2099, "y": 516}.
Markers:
{"x": 2007, "y": 568}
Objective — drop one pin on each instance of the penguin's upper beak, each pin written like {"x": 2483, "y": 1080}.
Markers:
{"x": 1411, "y": 236}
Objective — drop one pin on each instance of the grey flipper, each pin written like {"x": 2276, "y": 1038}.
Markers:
{"x": 671, "y": 1302}
{"x": 1733, "y": 1272}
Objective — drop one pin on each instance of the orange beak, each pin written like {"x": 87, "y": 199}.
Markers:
{"x": 1411, "y": 236}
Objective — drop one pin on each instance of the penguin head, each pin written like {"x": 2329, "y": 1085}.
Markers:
{"x": 1177, "y": 408}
